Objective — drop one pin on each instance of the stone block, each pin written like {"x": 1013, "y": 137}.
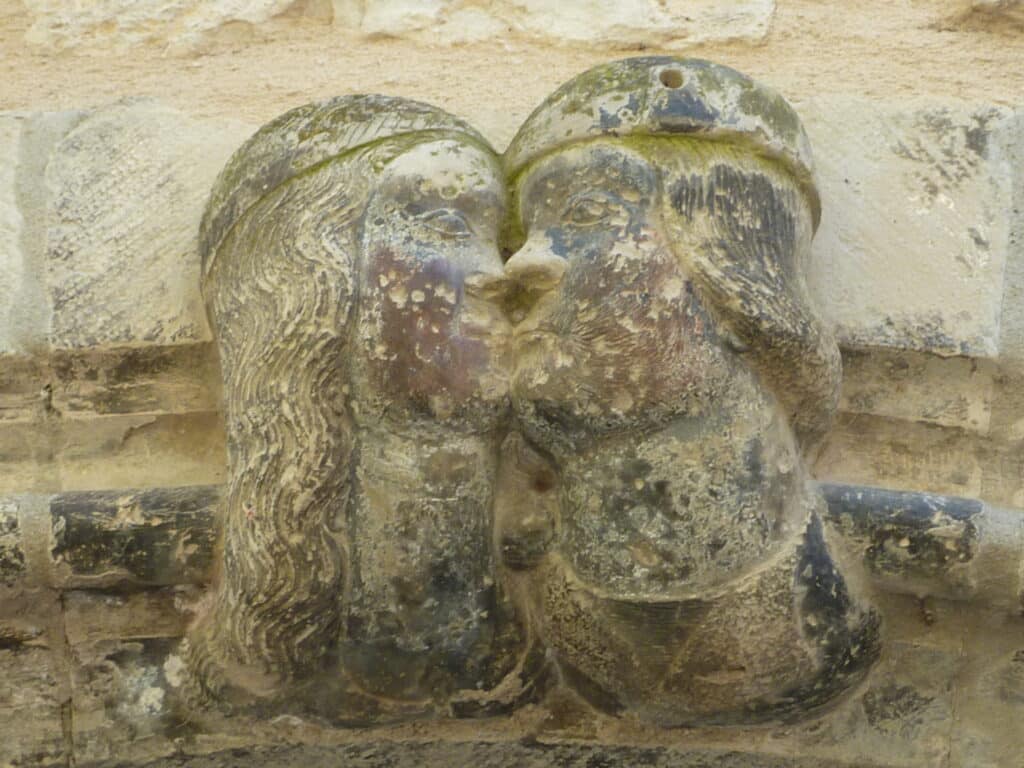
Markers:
{"x": 27, "y": 140}
{"x": 99, "y": 215}
{"x": 914, "y": 237}
{"x": 34, "y": 708}
{"x": 113, "y": 27}
{"x": 115, "y": 451}
{"x": 121, "y": 707}
{"x": 119, "y": 646}
{"x": 12, "y": 263}
{"x": 90, "y": 617}
{"x": 160, "y": 536}
{"x": 918, "y": 387}
{"x": 127, "y": 189}
{"x": 876, "y": 451}
{"x": 610, "y": 23}
{"x": 184, "y": 378}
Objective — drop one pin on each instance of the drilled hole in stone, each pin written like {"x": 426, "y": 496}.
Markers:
{"x": 543, "y": 482}
{"x": 671, "y": 78}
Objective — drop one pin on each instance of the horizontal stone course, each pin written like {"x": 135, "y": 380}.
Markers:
{"x": 103, "y": 689}
{"x": 188, "y": 26}
{"x": 110, "y": 379}
{"x": 914, "y": 251}
{"x": 163, "y": 537}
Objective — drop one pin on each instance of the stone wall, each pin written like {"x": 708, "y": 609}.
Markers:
{"x": 116, "y": 118}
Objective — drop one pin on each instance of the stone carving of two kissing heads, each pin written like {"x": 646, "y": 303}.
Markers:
{"x": 502, "y": 423}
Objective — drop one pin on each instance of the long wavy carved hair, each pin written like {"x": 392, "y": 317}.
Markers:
{"x": 281, "y": 287}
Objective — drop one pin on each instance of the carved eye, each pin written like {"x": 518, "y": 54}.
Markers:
{"x": 446, "y": 222}
{"x": 588, "y": 211}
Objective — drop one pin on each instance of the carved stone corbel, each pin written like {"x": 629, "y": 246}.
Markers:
{"x": 446, "y": 466}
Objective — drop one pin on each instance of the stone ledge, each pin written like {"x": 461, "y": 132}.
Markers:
{"x": 484, "y": 754}
{"x": 104, "y": 686}
{"x": 909, "y": 543}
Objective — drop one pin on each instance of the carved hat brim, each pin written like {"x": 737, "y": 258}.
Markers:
{"x": 309, "y": 135}
{"x": 668, "y": 96}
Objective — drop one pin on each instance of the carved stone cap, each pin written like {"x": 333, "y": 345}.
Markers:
{"x": 306, "y": 136}
{"x": 668, "y": 96}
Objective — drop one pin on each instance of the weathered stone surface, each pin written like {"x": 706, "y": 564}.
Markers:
{"x": 886, "y": 453}
{"x": 991, "y": 704}
{"x": 906, "y": 708}
{"x": 180, "y": 378}
{"x": 121, "y": 709}
{"x": 112, "y": 451}
{"x": 34, "y": 708}
{"x": 922, "y": 544}
{"x": 1001, "y": 16}
{"x": 648, "y": 358}
{"x": 114, "y": 27}
{"x": 93, "y": 616}
{"x": 880, "y": 452}
{"x": 153, "y": 537}
{"x": 79, "y": 384}
{"x": 670, "y": 24}
{"x": 112, "y": 539}
{"x": 27, "y": 141}
{"x": 99, "y": 216}
{"x": 12, "y": 550}
{"x": 182, "y": 26}
{"x": 12, "y": 261}
{"x": 919, "y": 387}
{"x": 127, "y": 188}
{"x": 913, "y": 243}
{"x": 947, "y": 688}
{"x": 526, "y": 754}
{"x": 118, "y": 646}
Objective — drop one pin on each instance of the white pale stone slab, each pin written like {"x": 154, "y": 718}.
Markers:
{"x": 917, "y": 203}
{"x": 26, "y": 140}
{"x": 671, "y": 23}
{"x": 127, "y": 188}
{"x": 116, "y": 25}
{"x": 12, "y": 260}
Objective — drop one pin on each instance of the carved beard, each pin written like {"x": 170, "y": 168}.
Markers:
{"x": 686, "y": 576}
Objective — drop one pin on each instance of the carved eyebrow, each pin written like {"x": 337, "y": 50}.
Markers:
{"x": 595, "y": 193}
{"x": 602, "y": 171}
{"x": 419, "y": 202}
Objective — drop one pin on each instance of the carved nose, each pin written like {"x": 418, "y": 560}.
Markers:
{"x": 532, "y": 273}
{"x": 534, "y": 268}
